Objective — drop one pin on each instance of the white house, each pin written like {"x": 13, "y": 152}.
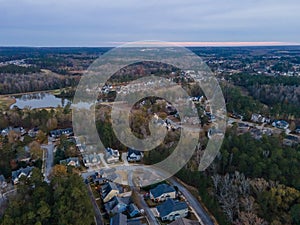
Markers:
{"x": 91, "y": 160}
{"x": 112, "y": 155}
{"x": 134, "y": 155}
{"x": 162, "y": 192}
{"x": 172, "y": 210}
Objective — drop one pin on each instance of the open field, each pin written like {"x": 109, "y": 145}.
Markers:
{"x": 6, "y": 102}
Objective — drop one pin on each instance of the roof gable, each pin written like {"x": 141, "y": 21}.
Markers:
{"x": 170, "y": 206}
{"x": 161, "y": 189}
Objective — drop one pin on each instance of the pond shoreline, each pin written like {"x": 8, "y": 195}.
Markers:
{"x": 38, "y": 100}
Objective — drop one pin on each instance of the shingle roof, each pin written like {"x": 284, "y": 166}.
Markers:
{"x": 131, "y": 151}
{"x": 170, "y": 206}
{"x": 115, "y": 201}
{"x": 161, "y": 189}
{"x": 16, "y": 174}
{"x": 68, "y": 160}
{"x": 107, "y": 188}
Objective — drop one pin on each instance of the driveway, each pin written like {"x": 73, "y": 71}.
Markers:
{"x": 49, "y": 148}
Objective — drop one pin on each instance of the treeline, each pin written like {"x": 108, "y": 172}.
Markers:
{"x": 265, "y": 158}
{"x": 280, "y": 93}
{"x": 64, "y": 201}
{"x": 15, "y": 69}
{"x": 53, "y": 63}
{"x": 44, "y": 119}
{"x": 240, "y": 103}
{"x": 246, "y": 80}
{"x": 22, "y": 82}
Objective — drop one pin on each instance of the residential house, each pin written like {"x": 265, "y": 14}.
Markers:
{"x": 72, "y": 161}
{"x": 256, "y": 133}
{"x": 111, "y": 155}
{"x": 59, "y": 132}
{"x": 3, "y": 183}
{"x": 108, "y": 191}
{"x": 281, "y": 124}
{"x": 162, "y": 192}
{"x": 172, "y": 210}
{"x": 91, "y": 160}
{"x": 117, "y": 205}
{"x": 291, "y": 140}
{"x": 16, "y": 132}
{"x": 184, "y": 221}
{"x": 133, "y": 210}
{"x": 134, "y": 155}
{"x": 33, "y": 132}
{"x": 118, "y": 219}
{"x": 257, "y": 118}
{"x": 100, "y": 180}
{"x": 16, "y": 175}
{"x": 242, "y": 128}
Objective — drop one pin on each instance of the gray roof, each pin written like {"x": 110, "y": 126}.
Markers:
{"x": 16, "y": 174}
{"x": 109, "y": 206}
{"x": 118, "y": 219}
{"x": 107, "y": 188}
{"x": 68, "y": 160}
{"x": 161, "y": 189}
{"x": 133, "y": 151}
{"x": 184, "y": 221}
{"x": 170, "y": 206}
{"x": 91, "y": 157}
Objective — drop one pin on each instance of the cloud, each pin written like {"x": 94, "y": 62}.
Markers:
{"x": 76, "y": 22}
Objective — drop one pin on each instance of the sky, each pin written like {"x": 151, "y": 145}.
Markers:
{"x": 111, "y": 22}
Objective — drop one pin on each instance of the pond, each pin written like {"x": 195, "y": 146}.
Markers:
{"x": 39, "y": 100}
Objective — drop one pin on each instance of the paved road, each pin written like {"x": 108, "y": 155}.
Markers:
{"x": 205, "y": 218}
{"x": 49, "y": 160}
{"x": 97, "y": 211}
{"x": 151, "y": 218}
{"x": 193, "y": 202}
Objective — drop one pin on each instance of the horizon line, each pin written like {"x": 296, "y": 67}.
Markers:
{"x": 181, "y": 44}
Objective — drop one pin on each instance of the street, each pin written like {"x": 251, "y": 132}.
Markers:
{"x": 194, "y": 203}
{"x": 48, "y": 160}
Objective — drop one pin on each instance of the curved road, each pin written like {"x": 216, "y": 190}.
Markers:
{"x": 195, "y": 204}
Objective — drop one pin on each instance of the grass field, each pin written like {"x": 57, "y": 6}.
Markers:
{"x": 6, "y": 102}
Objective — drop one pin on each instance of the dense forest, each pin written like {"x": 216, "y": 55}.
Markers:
{"x": 14, "y": 69}
{"x": 28, "y": 82}
{"x": 251, "y": 180}
{"x": 280, "y": 93}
